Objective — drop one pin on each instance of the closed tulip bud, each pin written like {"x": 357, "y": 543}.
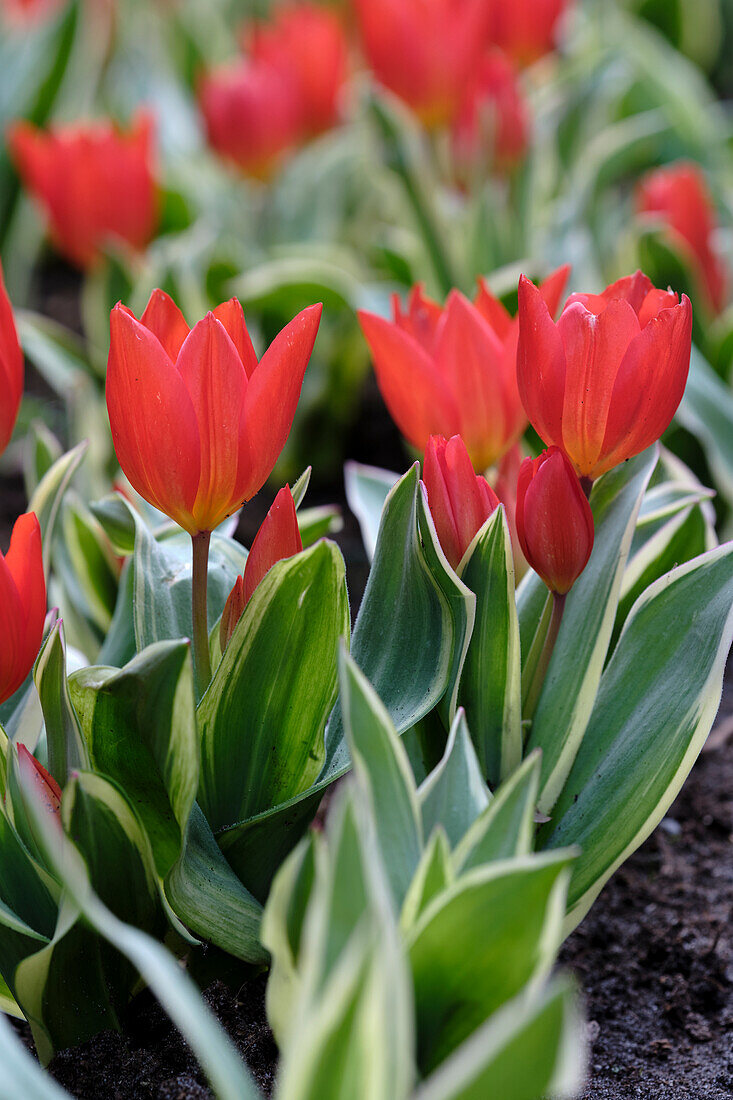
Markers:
{"x": 604, "y": 382}
{"x": 460, "y": 501}
{"x": 306, "y": 43}
{"x": 44, "y": 785}
{"x": 278, "y": 538}
{"x": 427, "y": 53}
{"x": 22, "y": 604}
{"x": 526, "y": 29}
{"x": 452, "y": 371}
{"x": 554, "y": 520}
{"x": 491, "y": 131}
{"x": 679, "y": 197}
{"x": 11, "y": 368}
{"x": 197, "y": 422}
{"x": 94, "y": 181}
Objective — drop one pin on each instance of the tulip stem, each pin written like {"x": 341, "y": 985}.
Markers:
{"x": 538, "y": 679}
{"x": 201, "y": 659}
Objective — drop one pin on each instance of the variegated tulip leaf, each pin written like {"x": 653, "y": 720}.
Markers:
{"x": 656, "y": 703}
{"x": 139, "y": 724}
{"x": 506, "y": 827}
{"x": 574, "y": 672}
{"x": 67, "y": 750}
{"x": 367, "y": 489}
{"x": 706, "y": 410}
{"x": 490, "y": 685}
{"x": 49, "y": 493}
{"x": 455, "y": 792}
{"x": 22, "y": 1075}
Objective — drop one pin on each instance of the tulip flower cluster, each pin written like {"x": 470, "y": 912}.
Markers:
{"x": 274, "y": 98}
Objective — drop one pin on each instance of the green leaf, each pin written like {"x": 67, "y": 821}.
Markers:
{"x": 455, "y": 793}
{"x": 67, "y": 750}
{"x": 42, "y": 449}
{"x": 158, "y": 968}
{"x": 511, "y": 914}
{"x": 263, "y": 715}
{"x": 22, "y": 1075}
{"x": 316, "y": 523}
{"x": 655, "y": 706}
{"x": 406, "y": 635}
{"x": 139, "y": 723}
{"x": 434, "y": 874}
{"x": 209, "y": 898}
{"x": 381, "y": 765}
{"x": 506, "y": 827}
{"x": 46, "y": 499}
{"x": 490, "y": 687}
{"x": 706, "y": 410}
{"x": 84, "y": 562}
{"x": 528, "y": 1049}
{"x": 577, "y": 661}
{"x": 367, "y": 489}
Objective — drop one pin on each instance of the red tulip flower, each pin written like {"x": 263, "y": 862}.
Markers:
{"x": 45, "y": 786}
{"x": 306, "y": 43}
{"x": 278, "y": 538}
{"x": 679, "y": 196}
{"x": 452, "y": 371}
{"x": 23, "y": 600}
{"x": 460, "y": 501}
{"x": 492, "y": 127}
{"x": 554, "y": 520}
{"x": 197, "y": 422}
{"x": 525, "y": 29}
{"x": 425, "y": 51}
{"x": 11, "y": 368}
{"x": 94, "y": 181}
{"x": 604, "y": 382}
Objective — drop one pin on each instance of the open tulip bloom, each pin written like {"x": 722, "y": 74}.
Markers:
{"x": 197, "y": 421}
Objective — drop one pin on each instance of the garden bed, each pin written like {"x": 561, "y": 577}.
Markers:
{"x": 654, "y": 958}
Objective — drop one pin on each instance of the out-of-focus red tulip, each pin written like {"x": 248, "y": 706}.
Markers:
{"x": 45, "y": 786}
{"x": 11, "y": 368}
{"x": 554, "y": 520}
{"x": 251, "y": 116}
{"x": 491, "y": 131}
{"x": 452, "y": 371}
{"x": 94, "y": 181}
{"x": 425, "y": 51}
{"x": 22, "y": 604}
{"x": 460, "y": 501}
{"x": 197, "y": 422}
{"x": 505, "y": 488}
{"x": 29, "y": 11}
{"x": 307, "y": 44}
{"x": 525, "y": 29}
{"x": 604, "y": 382}
{"x": 278, "y": 538}
{"x": 679, "y": 196}
{"x": 285, "y": 91}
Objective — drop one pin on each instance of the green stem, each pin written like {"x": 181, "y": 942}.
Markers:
{"x": 538, "y": 679}
{"x": 201, "y": 659}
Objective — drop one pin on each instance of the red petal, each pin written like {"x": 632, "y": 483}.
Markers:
{"x": 594, "y": 347}
{"x": 24, "y": 561}
{"x": 154, "y": 427}
{"x": 11, "y": 368}
{"x": 214, "y": 376}
{"x": 469, "y": 358}
{"x": 278, "y": 538}
{"x": 540, "y": 364}
{"x": 164, "y": 319}
{"x": 649, "y": 385}
{"x": 416, "y": 395}
{"x": 231, "y": 316}
{"x": 553, "y": 287}
{"x": 492, "y": 310}
{"x": 272, "y": 398}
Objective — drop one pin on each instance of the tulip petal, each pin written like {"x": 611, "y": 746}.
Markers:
{"x": 594, "y": 347}
{"x": 649, "y": 385}
{"x": 469, "y": 356}
{"x": 553, "y": 287}
{"x": 12, "y": 614}
{"x": 540, "y": 363}
{"x": 277, "y": 538}
{"x": 45, "y": 786}
{"x": 164, "y": 319}
{"x": 419, "y": 401}
{"x": 231, "y": 316}
{"x": 492, "y": 310}
{"x": 154, "y": 426}
{"x": 214, "y": 376}
{"x": 272, "y": 397}
{"x": 24, "y": 560}
{"x": 11, "y": 368}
